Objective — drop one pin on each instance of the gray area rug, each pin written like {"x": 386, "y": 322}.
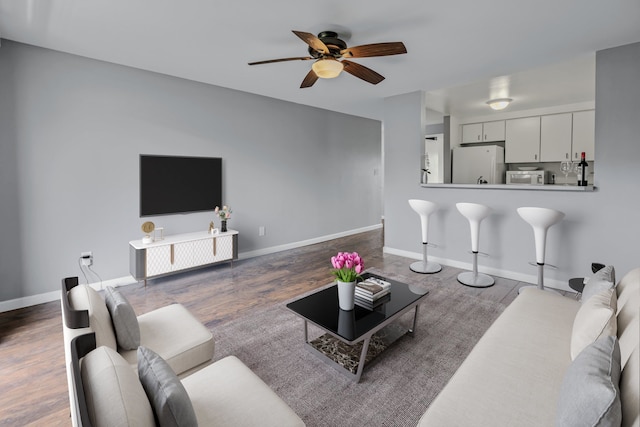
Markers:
{"x": 395, "y": 388}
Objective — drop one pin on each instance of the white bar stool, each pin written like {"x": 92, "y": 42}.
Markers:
{"x": 424, "y": 209}
{"x": 540, "y": 219}
{"x": 475, "y": 213}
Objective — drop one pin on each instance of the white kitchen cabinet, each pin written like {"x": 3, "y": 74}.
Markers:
{"x": 483, "y": 132}
{"x": 555, "y": 137}
{"x": 472, "y": 133}
{"x": 522, "y": 140}
{"x": 583, "y": 135}
{"x": 493, "y": 131}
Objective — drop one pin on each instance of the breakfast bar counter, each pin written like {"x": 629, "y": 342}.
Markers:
{"x": 546, "y": 187}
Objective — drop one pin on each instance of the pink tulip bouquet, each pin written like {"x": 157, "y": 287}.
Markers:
{"x": 347, "y": 266}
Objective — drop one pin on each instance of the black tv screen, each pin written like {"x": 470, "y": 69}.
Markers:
{"x": 172, "y": 184}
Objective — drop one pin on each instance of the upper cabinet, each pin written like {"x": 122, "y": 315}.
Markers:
{"x": 522, "y": 142}
{"x": 472, "y": 133}
{"x": 583, "y": 134}
{"x": 555, "y": 137}
{"x": 493, "y": 131}
{"x": 483, "y": 132}
{"x": 550, "y": 138}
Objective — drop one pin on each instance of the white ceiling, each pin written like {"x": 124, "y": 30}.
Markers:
{"x": 450, "y": 43}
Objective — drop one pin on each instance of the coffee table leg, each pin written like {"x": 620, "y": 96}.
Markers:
{"x": 363, "y": 356}
{"x": 415, "y": 321}
{"x": 306, "y": 332}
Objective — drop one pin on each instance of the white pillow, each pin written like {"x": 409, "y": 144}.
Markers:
{"x": 84, "y": 297}
{"x": 113, "y": 391}
{"x": 596, "y": 318}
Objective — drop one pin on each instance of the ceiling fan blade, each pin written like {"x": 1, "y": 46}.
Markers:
{"x": 362, "y": 72}
{"x": 309, "y": 79}
{"x": 375, "y": 49}
{"x": 269, "y": 61}
{"x": 313, "y": 41}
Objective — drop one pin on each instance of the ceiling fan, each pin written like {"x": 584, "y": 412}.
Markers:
{"x": 327, "y": 50}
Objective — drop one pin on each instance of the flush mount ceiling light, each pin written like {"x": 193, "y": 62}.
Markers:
{"x": 327, "y": 68}
{"x": 499, "y": 104}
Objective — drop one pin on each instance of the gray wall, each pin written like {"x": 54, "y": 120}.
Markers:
{"x": 71, "y": 131}
{"x": 599, "y": 226}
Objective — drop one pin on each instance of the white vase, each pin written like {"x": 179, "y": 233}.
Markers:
{"x": 346, "y": 294}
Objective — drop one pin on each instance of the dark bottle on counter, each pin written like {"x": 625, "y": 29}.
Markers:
{"x": 583, "y": 173}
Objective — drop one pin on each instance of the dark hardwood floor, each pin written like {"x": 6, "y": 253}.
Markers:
{"x": 34, "y": 387}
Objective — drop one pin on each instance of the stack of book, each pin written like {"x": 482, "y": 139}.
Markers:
{"x": 372, "y": 292}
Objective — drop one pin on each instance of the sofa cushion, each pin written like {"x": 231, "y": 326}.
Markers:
{"x": 228, "y": 393}
{"x": 113, "y": 391}
{"x": 176, "y": 336}
{"x": 84, "y": 297}
{"x": 512, "y": 376}
{"x": 123, "y": 318}
{"x": 596, "y": 318}
{"x": 589, "y": 395}
{"x": 601, "y": 280}
{"x": 170, "y": 401}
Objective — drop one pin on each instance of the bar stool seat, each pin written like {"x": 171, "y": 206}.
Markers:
{"x": 540, "y": 219}
{"x": 424, "y": 208}
{"x": 475, "y": 213}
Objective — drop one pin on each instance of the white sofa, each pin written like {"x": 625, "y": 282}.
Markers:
{"x": 107, "y": 391}
{"x": 225, "y": 393}
{"x": 514, "y": 374}
{"x": 170, "y": 331}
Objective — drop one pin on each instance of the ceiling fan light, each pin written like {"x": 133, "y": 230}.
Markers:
{"x": 499, "y": 104}
{"x": 327, "y": 68}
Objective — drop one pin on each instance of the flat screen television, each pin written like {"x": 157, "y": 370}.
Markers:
{"x": 175, "y": 184}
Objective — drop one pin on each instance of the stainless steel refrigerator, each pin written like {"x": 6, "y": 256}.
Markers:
{"x": 481, "y": 164}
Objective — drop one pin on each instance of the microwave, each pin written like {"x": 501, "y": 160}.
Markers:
{"x": 528, "y": 177}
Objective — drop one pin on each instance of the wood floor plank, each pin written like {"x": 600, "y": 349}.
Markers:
{"x": 33, "y": 390}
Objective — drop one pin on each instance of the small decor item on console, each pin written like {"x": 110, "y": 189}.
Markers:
{"x": 212, "y": 229}
{"x": 224, "y": 214}
{"x": 347, "y": 268}
{"x": 148, "y": 228}
{"x": 158, "y": 234}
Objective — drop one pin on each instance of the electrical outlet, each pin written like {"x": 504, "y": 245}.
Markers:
{"x": 87, "y": 258}
{"x": 261, "y": 231}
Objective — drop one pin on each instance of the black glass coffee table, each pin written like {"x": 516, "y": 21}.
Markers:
{"x": 353, "y": 338}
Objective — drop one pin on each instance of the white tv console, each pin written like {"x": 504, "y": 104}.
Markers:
{"x": 181, "y": 252}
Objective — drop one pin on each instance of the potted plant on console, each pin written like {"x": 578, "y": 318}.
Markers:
{"x": 224, "y": 214}
{"x": 347, "y": 268}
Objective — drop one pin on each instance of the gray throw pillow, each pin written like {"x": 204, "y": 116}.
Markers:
{"x": 590, "y": 393}
{"x": 168, "y": 397}
{"x": 123, "y": 318}
{"x": 601, "y": 280}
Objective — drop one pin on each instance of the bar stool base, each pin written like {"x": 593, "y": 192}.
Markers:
{"x": 475, "y": 280}
{"x": 425, "y": 267}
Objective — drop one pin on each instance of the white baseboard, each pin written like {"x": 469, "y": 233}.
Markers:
{"x": 294, "y": 245}
{"x": 507, "y": 274}
{"x": 17, "y": 303}
{"x": 23, "y": 302}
